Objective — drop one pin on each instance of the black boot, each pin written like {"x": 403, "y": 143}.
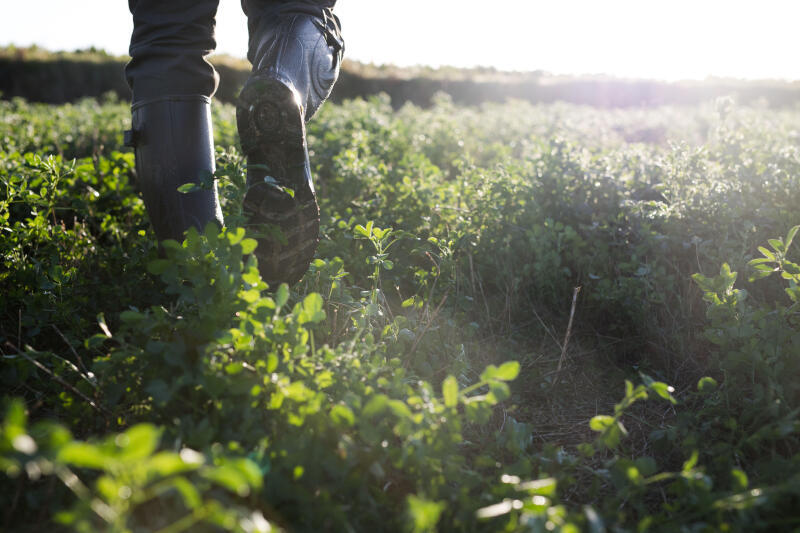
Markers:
{"x": 296, "y": 56}
{"x": 174, "y": 145}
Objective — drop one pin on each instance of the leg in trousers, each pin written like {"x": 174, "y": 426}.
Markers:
{"x": 296, "y": 49}
{"x": 172, "y": 85}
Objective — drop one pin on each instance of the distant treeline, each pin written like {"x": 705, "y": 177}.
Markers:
{"x": 59, "y": 77}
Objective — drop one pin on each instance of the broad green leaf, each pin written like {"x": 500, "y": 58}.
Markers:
{"x": 663, "y": 390}
{"x": 250, "y": 296}
{"x": 230, "y": 477}
{"x": 499, "y": 390}
{"x": 450, "y": 391}
{"x": 739, "y": 477}
{"x": 83, "y": 455}
{"x": 767, "y": 253}
{"x": 342, "y": 415}
{"x": 508, "y": 371}
{"x": 691, "y": 462}
{"x": 399, "y": 408}
{"x": 612, "y": 436}
{"x": 138, "y": 442}
{"x": 790, "y": 236}
{"x": 251, "y": 277}
{"x": 601, "y": 422}
{"x": 166, "y": 464}
{"x": 777, "y": 245}
{"x": 189, "y": 494}
{"x": 424, "y": 513}
{"x": 489, "y": 373}
{"x": 187, "y": 188}
{"x": 706, "y": 384}
{"x": 375, "y": 406}
{"x": 312, "y": 309}
{"x": 248, "y": 245}
{"x": 361, "y": 231}
{"x": 282, "y": 295}
{"x": 235, "y": 236}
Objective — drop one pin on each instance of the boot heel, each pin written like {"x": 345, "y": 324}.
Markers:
{"x": 269, "y": 112}
{"x": 272, "y": 131}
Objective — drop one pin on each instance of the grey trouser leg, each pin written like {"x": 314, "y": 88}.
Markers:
{"x": 172, "y": 38}
{"x": 169, "y": 45}
{"x": 260, "y": 10}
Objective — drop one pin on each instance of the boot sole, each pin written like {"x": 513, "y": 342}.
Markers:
{"x": 272, "y": 131}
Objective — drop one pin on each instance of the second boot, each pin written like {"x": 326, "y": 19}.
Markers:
{"x": 296, "y": 56}
{"x": 173, "y": 141}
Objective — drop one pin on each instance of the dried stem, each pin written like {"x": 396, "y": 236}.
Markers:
{"x": 57, "y": 378}
{"x": 566, "y": 337}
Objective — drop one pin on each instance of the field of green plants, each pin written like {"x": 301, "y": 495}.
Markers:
{"x": 519, "y": 318}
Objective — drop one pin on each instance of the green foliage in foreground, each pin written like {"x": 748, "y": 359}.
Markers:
{"x": 404, "y": 384}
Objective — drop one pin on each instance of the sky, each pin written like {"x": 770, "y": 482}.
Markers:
{"x": 659, "y": 39}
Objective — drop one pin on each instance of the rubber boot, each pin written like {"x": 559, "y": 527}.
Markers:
{"x": 173, "y": 140}
{"x": 296, "y": 58}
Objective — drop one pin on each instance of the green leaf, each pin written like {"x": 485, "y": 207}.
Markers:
{"x": 229, "y": 477}
{"x": 663, "y": 390}
{"x": 312, "y": 309}
{"x": 499, "y": 390}
{"x": 740, "y": 481}
{"x": 612, "y": 436}
{"x": 767, "y": 253}
{"x": 251, "y": 277}
{"x": 691, "y": 462}
{"x": 235, "y": 236}
{"x": 282, "y": 295}
{"x": 83, "y": 455}
{"x": 361, "y": 231}
{"x": 187, "y": 188}
{"x": 777, "y": 245}
{"x": 248, "y": 245}
{"x": 342, "y": 415}
{"x": 250, "y": 296}
{"x": 399, "y": 408}
{"x": 790, "y": 236}
{"x": 408, "y": 302}
{"x": 646, "y": 465}
{"x": 707, "y": 384}
{"x": 450, "y": 391}
{"x": 601, "y": 422}
{"x": 375, "y": 406}
{"x": 168, "y": 463}
{"x": 508, "y": 371}
{"x": 138, "y": 442}
{"x": 489, "y": 373}
{"x": 189, "y": 494}
{"x": 424, "y": 513}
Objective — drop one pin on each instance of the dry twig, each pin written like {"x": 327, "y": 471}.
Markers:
{"x": 58, "y": 379}
{"x": 566, "y": 337}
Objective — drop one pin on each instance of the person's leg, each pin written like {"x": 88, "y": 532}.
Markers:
{"x": 172, "y": 85}
{"x": 169, "y": 45}
{"x": 296, "y": 49}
